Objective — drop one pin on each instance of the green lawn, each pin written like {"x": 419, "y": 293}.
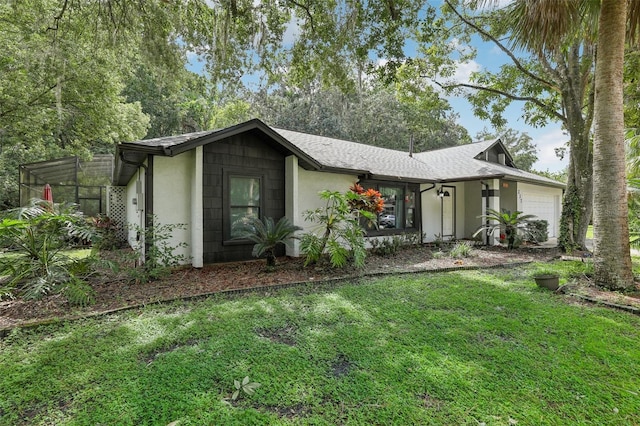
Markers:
{"x": 72, "y": 253}
{"x": 458, "y": 348}
{"x": 590, "y": 232}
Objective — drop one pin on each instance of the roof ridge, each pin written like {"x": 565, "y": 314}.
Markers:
{"x": 341, "y": 140}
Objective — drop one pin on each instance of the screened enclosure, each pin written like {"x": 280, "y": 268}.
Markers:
{"x": 72, "y": 180}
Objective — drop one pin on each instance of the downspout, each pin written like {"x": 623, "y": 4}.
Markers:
{"x": 486, "y": 207}
{"x": 433, "y": 185}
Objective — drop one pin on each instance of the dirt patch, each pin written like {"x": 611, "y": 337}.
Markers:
{"x": 341, "y": 366}
{"x": 430, "y": 402}
{"x": 115, "y": 294}
{"x": 284, "y": 335}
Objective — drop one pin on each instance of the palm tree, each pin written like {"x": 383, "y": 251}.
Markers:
{"x": 612, "y": 257}
{"x": 507, "y": 221}
{"x": 545, "y": 24}
{"x": 267, "y": 235}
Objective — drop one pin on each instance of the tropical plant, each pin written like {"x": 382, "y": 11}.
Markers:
{"x": 106, "y": 229}
{"x": 339, "y": 230}
{"x": 267, "y": 235}
{"x": 38, "y": 265}
{"x": 505, "y": 222}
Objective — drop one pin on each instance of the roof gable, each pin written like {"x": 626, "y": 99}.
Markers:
{"x": 493, "y": 154}
{"x": 130, "y": 155}
{"x": 474, "y": 161}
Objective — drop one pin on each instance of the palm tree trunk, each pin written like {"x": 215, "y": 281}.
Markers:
{"x": 612, "y": 258}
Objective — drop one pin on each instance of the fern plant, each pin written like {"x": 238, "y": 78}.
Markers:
{"x": 267, "y": 235}
{"x": 38, "y": 235}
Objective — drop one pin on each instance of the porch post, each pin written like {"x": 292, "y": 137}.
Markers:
{"x": 197, "y": 239}
{"x": 292, "y": 208}
{"x": 494, "y": 203}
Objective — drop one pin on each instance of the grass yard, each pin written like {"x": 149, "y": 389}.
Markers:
{"x": 463, "y": 348}
{"x": 590, "y": 232}
{"x": 72, "y": 253}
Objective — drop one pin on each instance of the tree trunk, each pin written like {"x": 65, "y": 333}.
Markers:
{"x": 612, "y": 258}
{"x": 577, "y": 205}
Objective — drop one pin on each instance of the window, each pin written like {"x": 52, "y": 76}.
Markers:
{"x": 244, "y": 200}
{"x": 399, "y": 206}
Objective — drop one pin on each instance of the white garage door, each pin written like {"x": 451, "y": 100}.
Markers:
{"x": 544, "y": 206}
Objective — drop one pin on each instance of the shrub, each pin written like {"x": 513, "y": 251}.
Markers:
{"x": 385, "y": 246}
{"x": 38, "y": 234}
{"x": 155, "y": 257}
{"x": 390, "y": 246}
{"x": 339, "y": 233}
{"x": 538, "y": 231}
{"x": 461, "y": 249}
{"x": 267, "y": 235}
{"x": 106, "y": 229}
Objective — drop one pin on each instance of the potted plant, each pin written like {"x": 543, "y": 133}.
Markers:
{"x": 547, "y": 278}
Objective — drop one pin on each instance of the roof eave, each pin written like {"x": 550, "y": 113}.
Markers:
{"x": 471, "y": 178}
{"x": 254, "y": 124}
{"x": 525, "y": 179}
{"x": 121, "y": 162}
{"x": 173, "y": 150}
{"x": 373, "y": 176}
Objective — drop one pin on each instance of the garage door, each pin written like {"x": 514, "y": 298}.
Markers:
{"x": 543, "y": 206}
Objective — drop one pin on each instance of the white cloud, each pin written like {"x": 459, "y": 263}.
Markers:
{"x": 546, "y": 143}
{"x": 464, "y": 70}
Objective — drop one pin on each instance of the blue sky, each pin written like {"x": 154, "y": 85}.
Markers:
{"x": 546, "y": 139}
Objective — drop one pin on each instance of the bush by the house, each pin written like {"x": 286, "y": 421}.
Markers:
{"x": 155, "y": 257}
{"x": 338, "y": 233}
{"x": 267, "y": 235}
{"x": 38, "y": 264}
{"x": 538, "y": 231}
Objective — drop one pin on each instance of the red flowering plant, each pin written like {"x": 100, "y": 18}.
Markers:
{"x": 365, "y": 203}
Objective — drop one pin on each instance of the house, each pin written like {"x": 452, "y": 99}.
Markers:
{"x": 210, "y": 179}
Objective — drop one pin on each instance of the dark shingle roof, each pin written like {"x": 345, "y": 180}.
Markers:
{"x": 324, "y": 153}
{"x": 170, "y": 141}
{"x": 341, "y": 154}
{"x": 460, "y": 163}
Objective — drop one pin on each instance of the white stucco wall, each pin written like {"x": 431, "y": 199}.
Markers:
{"x": 135, "y": 207}
{"x": 172, "y": 198}
{"x": 432, "y": 211}
{"x": 311, "y": 183}
{"x": 302, "y": 188}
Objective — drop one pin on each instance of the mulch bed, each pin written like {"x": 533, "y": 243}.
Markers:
{"x": 117, "y": 294}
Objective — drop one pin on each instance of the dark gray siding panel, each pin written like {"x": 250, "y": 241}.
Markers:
{"x": 238, "y": 154}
